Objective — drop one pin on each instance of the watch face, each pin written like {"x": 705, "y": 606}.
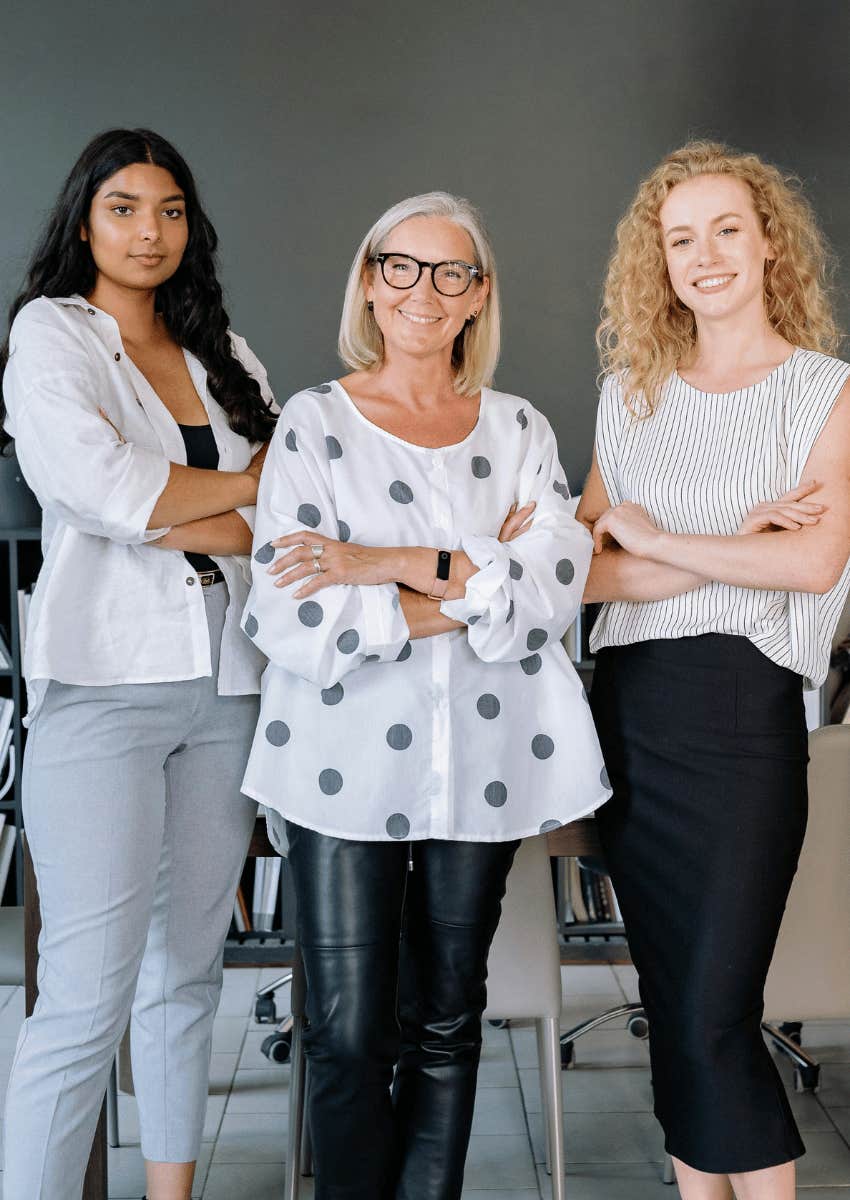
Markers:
{"x": 444, "y": 559}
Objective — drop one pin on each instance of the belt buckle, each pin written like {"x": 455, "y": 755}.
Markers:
{"x": 207, "y": 578}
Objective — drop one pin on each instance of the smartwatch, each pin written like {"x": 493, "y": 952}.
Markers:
{"x": 441, "y": 580}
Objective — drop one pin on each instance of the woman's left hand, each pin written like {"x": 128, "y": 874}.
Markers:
{"x": 339, "y": 562}
{"x": 630, "y": 526}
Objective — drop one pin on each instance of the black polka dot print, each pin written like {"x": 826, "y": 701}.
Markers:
{"x": 488, "y": 706}
{"x": 251, "y": 625}
{"x": 277, "y": 733}
{"x": 565, "y": 572}
{"x": 309, "y": 515}
{"x": 344, "y": 531}
{"x": 310, "y": 614}
{"x": 536, "y": 638}
{"x": 333, "y": 695}
{"x": 334, "y": 448}
{"x": 480, "y": 466}
{"x": 290, "y": 441}
{"x": 348, "y": 641}
{"x": 399, "y": 737}
{"x": 515, "y": 569}
{"x": 398, "y": 825}
{"x": 401, "y": 492}
{"x": 532, "y": 664}
{"x": 265, "y": 553}
{"x": 496, "y": 793}
{"x": 330, "y": 781}
{"x": 542, "y": 746}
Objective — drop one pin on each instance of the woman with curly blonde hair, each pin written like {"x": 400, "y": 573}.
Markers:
{"x": 720, "y": 508}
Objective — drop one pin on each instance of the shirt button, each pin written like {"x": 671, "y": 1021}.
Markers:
{"x": 117, "y": 357}
{"x": 190, "y": 580}
{"x": 90, "y": 311}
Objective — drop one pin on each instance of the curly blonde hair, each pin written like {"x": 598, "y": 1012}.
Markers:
{"x": 646, "y": 330}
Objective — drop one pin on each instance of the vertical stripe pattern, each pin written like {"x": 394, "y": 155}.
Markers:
{"x": 698, "y": 465}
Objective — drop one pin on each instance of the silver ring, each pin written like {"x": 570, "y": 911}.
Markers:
{"x": 317, "y": 551}
{"x": 317, "y": 567}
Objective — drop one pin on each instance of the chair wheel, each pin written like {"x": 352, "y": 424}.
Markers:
{"x": 277, "y": 1046}
{"x": 568, "y": 1058}
{"x": 806, "y": 1079}
{"x": 503, "y": 1023}
{"x": 638, "y": 1027}
{"x": 265, "y": 1012}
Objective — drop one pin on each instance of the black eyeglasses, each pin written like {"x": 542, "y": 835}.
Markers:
{"x": 450, "y": 278}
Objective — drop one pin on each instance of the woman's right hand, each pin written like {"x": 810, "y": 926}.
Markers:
{"x": 517, "y": 521}
{"x": 255, "y": 466}
{"x": 789, "y": 511}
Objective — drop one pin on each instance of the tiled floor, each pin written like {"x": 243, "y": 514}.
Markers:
{"x": 614, "y": 1147}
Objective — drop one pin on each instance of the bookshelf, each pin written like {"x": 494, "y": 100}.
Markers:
{"x": 20, "y": 559}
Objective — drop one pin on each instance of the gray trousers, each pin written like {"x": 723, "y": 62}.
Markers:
{"x": 138, "y": 832}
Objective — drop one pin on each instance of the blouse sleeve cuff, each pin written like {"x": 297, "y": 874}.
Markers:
{"x": 485, "y": 585}
{"x": 386, "y": 629}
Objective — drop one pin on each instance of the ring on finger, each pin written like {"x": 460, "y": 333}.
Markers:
{"x": 318, "y": 569}
{"x": 317, "y": 551}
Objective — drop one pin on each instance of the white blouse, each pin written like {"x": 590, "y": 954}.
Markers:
{"x": 699, "y": 464}
{"x": 478, "y": 734}
{"x": 107, "y": 607}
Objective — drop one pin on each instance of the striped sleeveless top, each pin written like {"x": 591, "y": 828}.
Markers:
{"x": 699, "y": 464}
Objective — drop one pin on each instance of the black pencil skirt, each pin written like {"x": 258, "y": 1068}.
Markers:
{"x": 705, "y": 742}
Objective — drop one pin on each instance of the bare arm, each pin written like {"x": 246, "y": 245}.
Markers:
{"x": 617, "y": 575}
{"x": 423, "y": 616}
{"x": 193, "y": 493}
{"x": 810, "y": 559}
{"x": 226, "y": 533}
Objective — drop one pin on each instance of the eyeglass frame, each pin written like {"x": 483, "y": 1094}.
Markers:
{"x": 474, "y": 272}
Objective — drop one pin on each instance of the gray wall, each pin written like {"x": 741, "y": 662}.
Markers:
{"x": 303, "y": 121}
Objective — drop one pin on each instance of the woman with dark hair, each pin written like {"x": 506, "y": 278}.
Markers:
{"x": 140, "y": 422}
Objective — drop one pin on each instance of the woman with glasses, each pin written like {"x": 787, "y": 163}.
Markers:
{"x": 415, "y": 567}
{"x": 138, "y": 419}
{"x": 720, "y": 509}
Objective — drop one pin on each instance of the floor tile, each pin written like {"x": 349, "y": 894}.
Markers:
{"x": 259, "y": 1092}
{"x": 253, "y": 1181}
{"x": 251, "y": 1138}
{"x": 826, "y": 1162}
{"x": 222, "y": 1068}
{"x": 604, "y": 1137}
{"x": 612, "y": 1181}
{"x": 251, "y": 1057}
{"x": 494, "y": 1194}
{"x": 627, "y": 978}
{"x": 625, "y": 1089}
{"x": 228, "y": 1034}
{"x": 499, "y": 1163}
{"x": 835, "y": 1085}
{"x": 590, "y": 980}
{"x": 841, "y": 1117}
{"x": 499, "y": 1111}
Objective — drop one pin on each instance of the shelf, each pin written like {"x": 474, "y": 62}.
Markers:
{"x": 20, "y": 535}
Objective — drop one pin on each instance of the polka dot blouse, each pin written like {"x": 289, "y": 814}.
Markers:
{"x": 479, "y": 734}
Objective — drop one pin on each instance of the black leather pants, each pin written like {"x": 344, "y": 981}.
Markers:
{"x": 396, "y": 961}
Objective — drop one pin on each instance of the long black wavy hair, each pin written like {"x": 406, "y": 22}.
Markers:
{"x": 190, "y": 301}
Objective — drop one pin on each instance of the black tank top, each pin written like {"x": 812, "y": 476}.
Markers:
{"x": 201, "y": 451}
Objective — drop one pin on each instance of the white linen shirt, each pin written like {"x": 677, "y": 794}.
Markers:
{"x": 107, "y": 607}
{"x": 478, "y": 734}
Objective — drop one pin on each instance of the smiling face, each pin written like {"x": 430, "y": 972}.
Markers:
{"x": 715, "y": 247}
{"x": 137, "y": 228}
{"x": 420, "y": 321}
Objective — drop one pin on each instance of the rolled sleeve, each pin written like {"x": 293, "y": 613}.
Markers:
{"x": 526, "y": 592}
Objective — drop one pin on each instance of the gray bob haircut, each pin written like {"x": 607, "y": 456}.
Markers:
{"x": 476, "y": 348}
